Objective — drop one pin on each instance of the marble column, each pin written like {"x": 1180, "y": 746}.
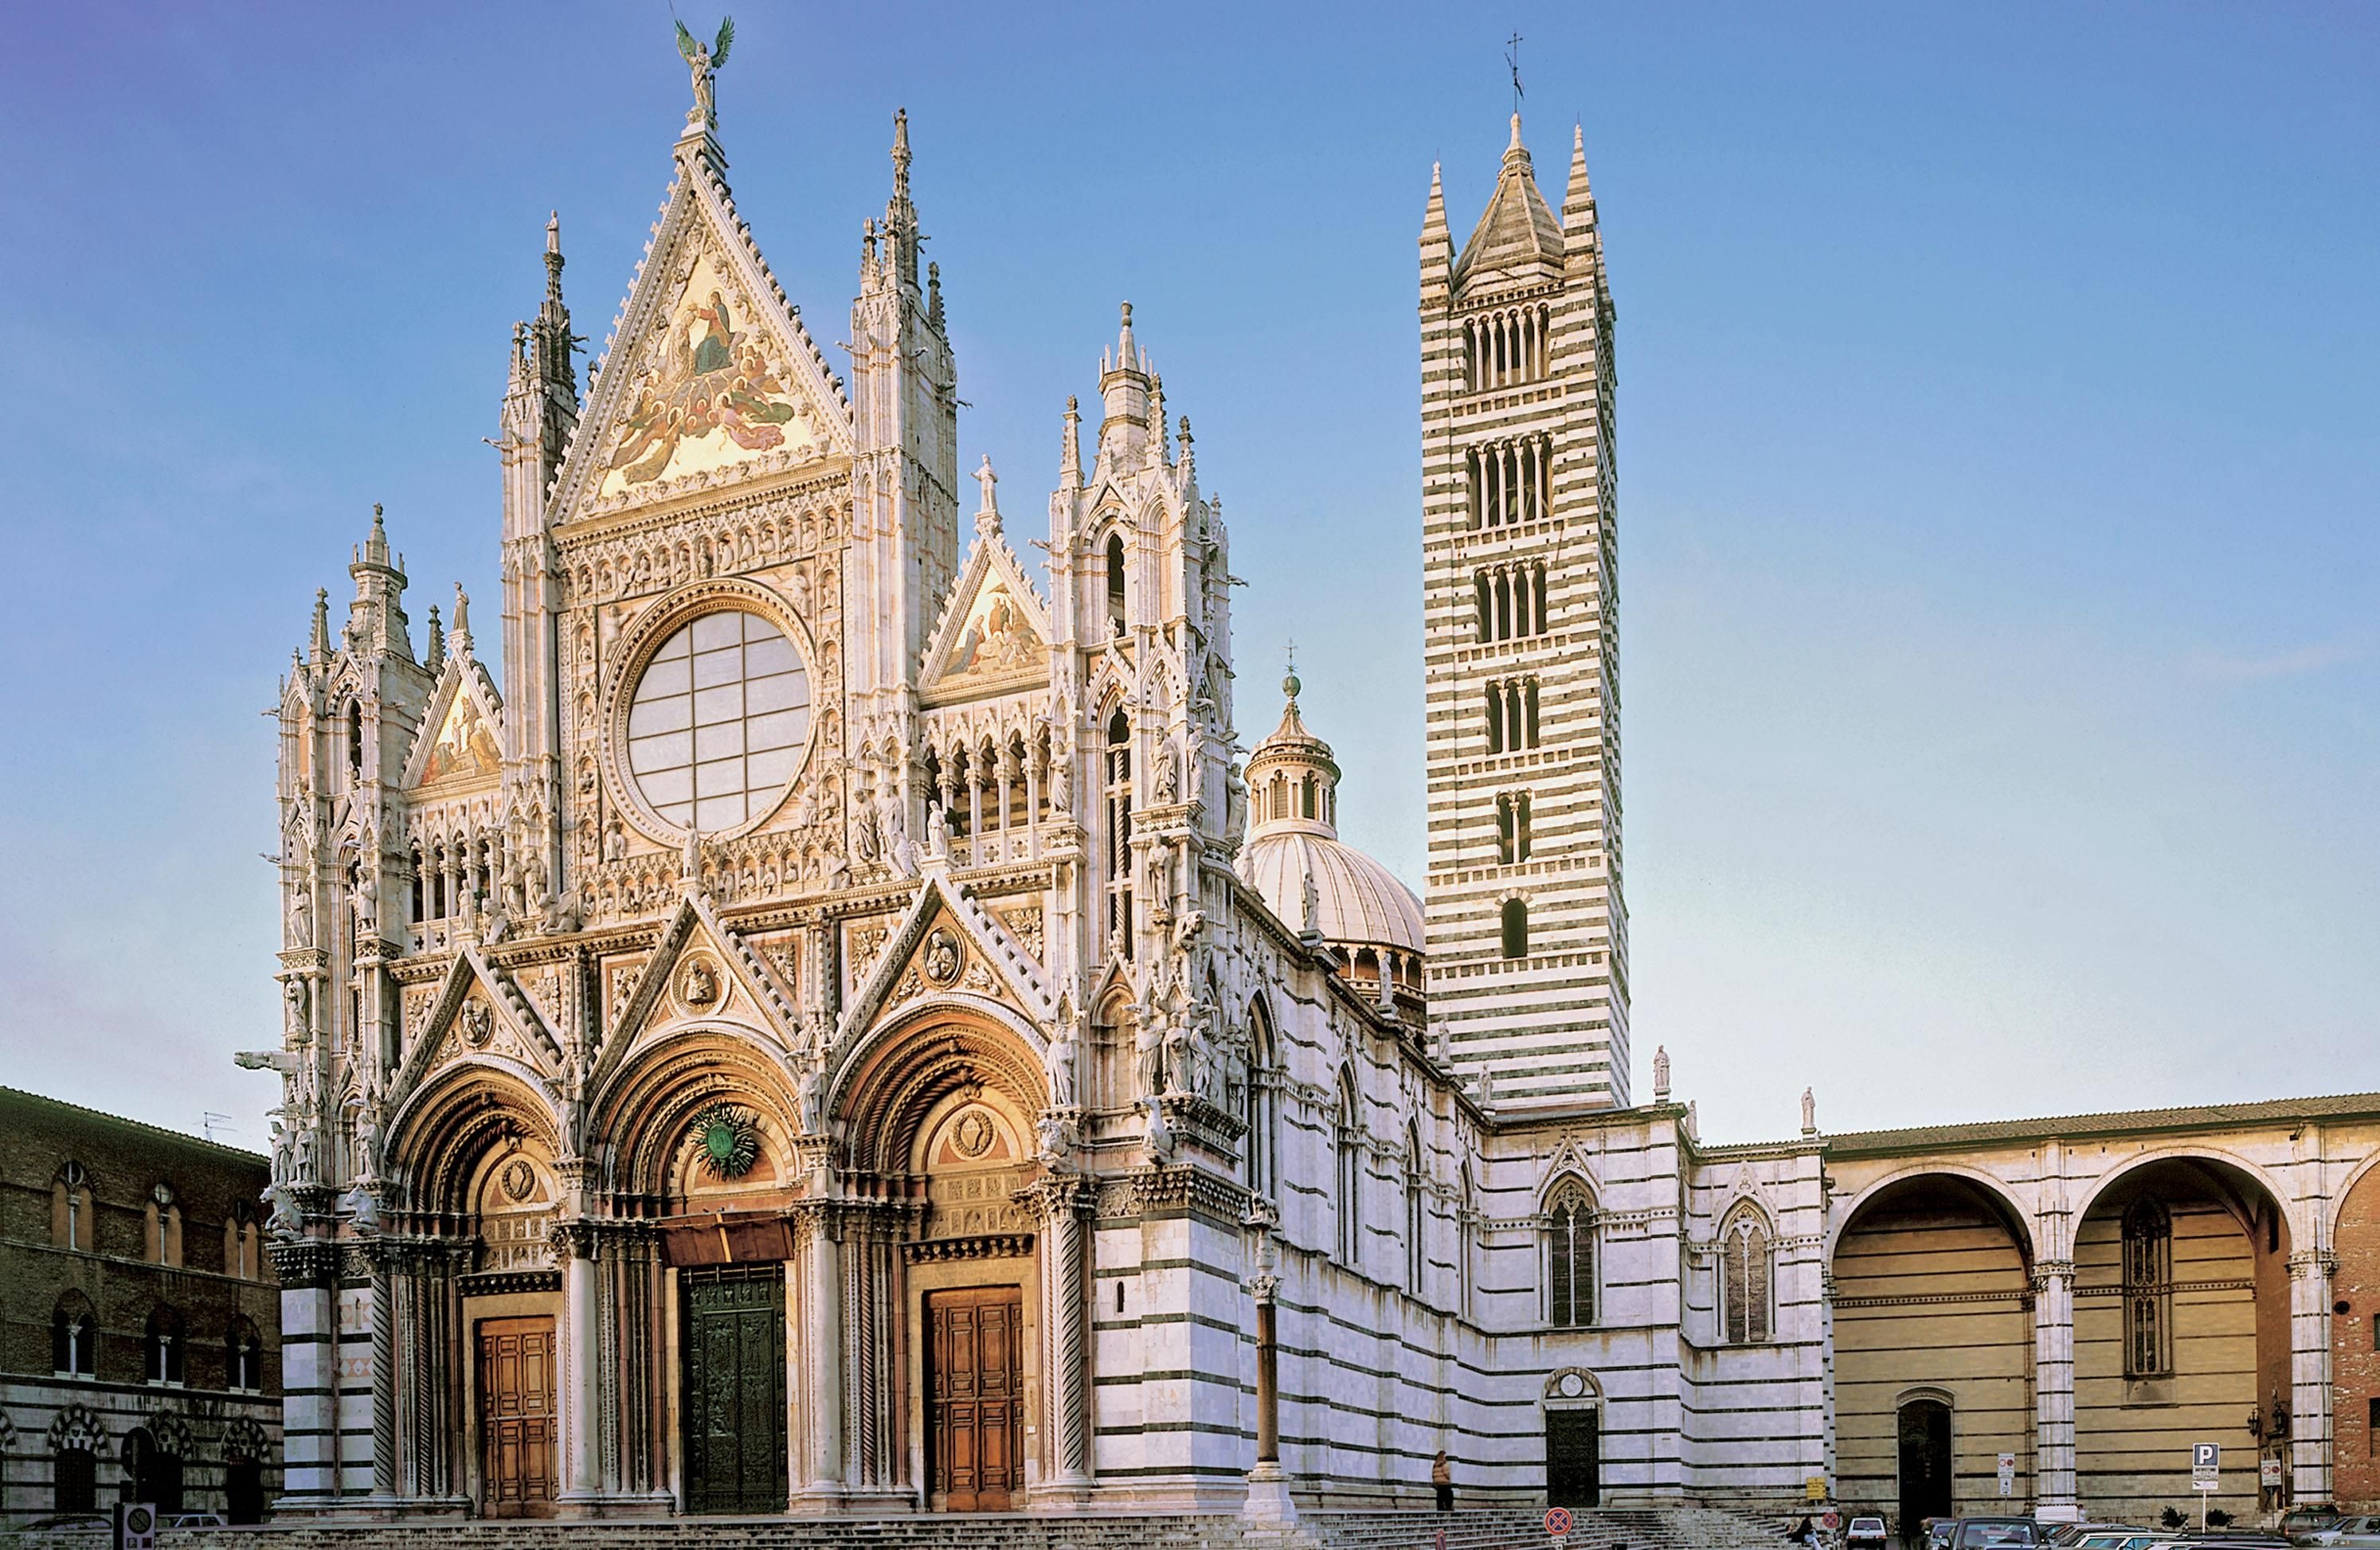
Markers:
{"x": 1064, "y": 1204}
{"x": 1269, "y": 1500}
{"x": 2052, "y": 1365}
{"x": 2311, "y": 1275}
{"x": 819, "y": 1255}
{"x": 582, "y": 1482}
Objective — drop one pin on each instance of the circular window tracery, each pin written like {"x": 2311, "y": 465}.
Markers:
{"x": 718, "y": 723}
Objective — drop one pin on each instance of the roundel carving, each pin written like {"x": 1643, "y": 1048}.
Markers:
{"x": 974, "y": 1134}
{"x": 726, "y": 1141}
{"x": 518, "y": 1178}
{"x": 943, "y": 958}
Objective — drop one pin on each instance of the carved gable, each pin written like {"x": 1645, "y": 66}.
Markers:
{"x": 709, "y": 378}
{"x": 461, "y": 742}
{"x": 995, "y": 631}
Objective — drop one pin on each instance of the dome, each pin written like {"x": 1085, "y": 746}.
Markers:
{"x": 1294, "y": 836}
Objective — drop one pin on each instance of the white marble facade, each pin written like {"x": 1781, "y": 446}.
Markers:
{"x": 955, "y": 970}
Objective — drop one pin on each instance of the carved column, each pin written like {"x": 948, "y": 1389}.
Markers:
{"x": 871, "y": 1383}
{"x": 307, "y": 1270}
{"x": 1064, "y": 1204}
{"x": 582, "y": 1482}
{"x": 2309, "y": 1371}
{"x": 819, "y": 1389}
{"x": 2053, "y": 1364}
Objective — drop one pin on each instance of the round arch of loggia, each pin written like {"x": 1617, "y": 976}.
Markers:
{"x": 2012, "y": 1212}
{"x": 2292, "y": 1228}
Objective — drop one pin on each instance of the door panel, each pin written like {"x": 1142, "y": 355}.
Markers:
{"x": 734, "y": 1393}
{"x": 517, "y": 1417}
{"x": 1573, "y": 1447}
{"x": 974, "y": 1380}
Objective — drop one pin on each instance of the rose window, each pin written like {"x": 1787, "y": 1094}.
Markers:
{"x": 718, "y": 722}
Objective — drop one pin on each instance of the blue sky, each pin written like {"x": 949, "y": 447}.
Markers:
{"x": 1998, "y": 478}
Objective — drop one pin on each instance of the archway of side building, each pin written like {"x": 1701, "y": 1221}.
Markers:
{"x": 1933, "y": 1340}
{"x": 2355, "y": 1344}
{"x": 2181, "y": 1334}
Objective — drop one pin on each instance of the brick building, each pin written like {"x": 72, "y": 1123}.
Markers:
{"x": 2355, "y": 1347}
{"x": 139, "y": 1322}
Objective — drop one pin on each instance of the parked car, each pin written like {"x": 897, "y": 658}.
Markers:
{"x": 200, "y": 1521}
{"x": 1865, "y": 1531}
{"x": 2300, "y": 1523}
{"x": 1980, "y": 1533}
{"x": 2348, "y": 1532}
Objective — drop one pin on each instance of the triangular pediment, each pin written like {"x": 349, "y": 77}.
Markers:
{"x": 700, "y": 970}
{"x": 709, "y": 378}
{"x": 462, "y": 740}
{"x": 994, "y": 634}
{"x": 475, "y": 1010}
{"x": 948, "y": 946}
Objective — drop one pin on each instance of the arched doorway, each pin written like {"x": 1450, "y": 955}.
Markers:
{"x": 1932, "y": 1303}
{"x": 1574, "y": 1440}
{"x": 1925, "y": 1462}
{"x": 151, "y": 1473}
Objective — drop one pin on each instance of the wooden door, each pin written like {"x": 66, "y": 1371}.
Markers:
{"x": 734, "y": 1395}
{"x": 1573, "y": 1462}
{"x": 517, "y": 1417}
{"x": 974, "y": 1381}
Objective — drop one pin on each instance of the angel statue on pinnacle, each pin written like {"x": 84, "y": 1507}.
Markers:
{"x": 704, "y": 62}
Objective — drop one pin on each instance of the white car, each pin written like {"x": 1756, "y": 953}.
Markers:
{"x": 1865, "y": 1530}
{"x": 2348, "y": 1532}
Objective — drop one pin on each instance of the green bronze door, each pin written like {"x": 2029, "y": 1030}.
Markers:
{"x": 734, "y": 1392}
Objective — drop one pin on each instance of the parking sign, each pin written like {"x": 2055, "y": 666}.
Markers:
{"x": 2205, "y": 1466}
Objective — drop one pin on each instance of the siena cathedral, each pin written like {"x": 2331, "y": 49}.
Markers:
{"x": 812, "y": 1016}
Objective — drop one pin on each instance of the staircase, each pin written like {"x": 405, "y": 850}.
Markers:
{"x": 1478, "y": 1527}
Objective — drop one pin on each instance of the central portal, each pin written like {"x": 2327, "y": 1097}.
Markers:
{"x": 975, "y": 1382}
{"x": 736, "y": 1391}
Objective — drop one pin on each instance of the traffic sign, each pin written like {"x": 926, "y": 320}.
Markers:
{"x": 2007, "y": 1475}
{"x": 136, "y": 1526}
{"x": 2268, "y": 1473}
{"x": 1558, "y": 1521}
{"x": 2205, "y": 1466}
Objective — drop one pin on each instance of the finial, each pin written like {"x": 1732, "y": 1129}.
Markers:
{"x": 435, "y": 657}
{"x": 1289, "y": 683}
{"x": 1516, "y": 134}
{"x": 1125, "y": 355}
{"x": 322, "y": 641}
{"x": 553, "y": 258}
{"x": 900, "y": 151}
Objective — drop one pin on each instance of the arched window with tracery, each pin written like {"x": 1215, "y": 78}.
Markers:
{"x": 243, "y": 1357}
{"x": 1119, "y": 815}
{"x": 1466, "y": 1213}
{"x": 74, "y": 1338}
{"x": 1416, "y": 1258}
{"x": 2148, "y": 1291}
{"x": 1263, "y": 1163}
{"x": 1351, "y": 1178}
{"x": 162, "y": 1343}
{"x": 1570, "y": 1256}
{"x": 73, "y": 1223}
{"x": 1746, "y": 1279}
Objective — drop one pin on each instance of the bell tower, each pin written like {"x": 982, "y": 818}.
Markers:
{"x": 1526, "y": 929}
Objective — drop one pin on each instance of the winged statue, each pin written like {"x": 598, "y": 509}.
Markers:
{"x": 704, "y": 62}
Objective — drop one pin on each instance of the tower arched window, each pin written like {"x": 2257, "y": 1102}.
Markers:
{"x": 354, "y": 740}
{"x": 1115, "y": 584}
{"x": 74, "y": 1338}
{"x": 1747, "y": 1277}
{"x": 2148, "y": 1291}
{"x": 1262, "y": 1142}
{"x": 1516, "y": 931}
{"x": 1466, "y": 1213}
{"x": 1570, "y": 1258}
{"x": 1118, "y": 814}
{"x": 1511, "y": 827}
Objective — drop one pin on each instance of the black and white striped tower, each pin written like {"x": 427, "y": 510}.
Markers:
{"x": 1528, "y": 933}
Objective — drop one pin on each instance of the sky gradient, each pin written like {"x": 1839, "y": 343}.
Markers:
{"x": 1998, "y": 478}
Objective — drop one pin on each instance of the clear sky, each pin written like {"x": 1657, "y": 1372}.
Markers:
{"x": 1998, "y": 473}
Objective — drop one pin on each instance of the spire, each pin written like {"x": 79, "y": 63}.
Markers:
{"x": 1292, "y": 752}
{"x": 1123, "y": 387}
{"x": 376, "y": 546}
{"x": 1070, "y": 447}
{"x": 1188, "y": 466}
{"x": 1582, "y": 243}
{"x": 376, "y": 617}
{"x": 319, "y": 648}
{"x": 553, "y": 257}
{"x": 435, "y": 657}
{"x": 900, "y": 215}
{"x": 1437, "y": 243}
{"x": 1517, "y": 240}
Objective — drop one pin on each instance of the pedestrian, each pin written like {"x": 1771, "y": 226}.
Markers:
{"x": 1441, "y": 1474}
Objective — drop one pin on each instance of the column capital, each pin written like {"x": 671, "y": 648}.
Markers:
{"x": 2320, "y": 1261}
{"x": 1058, "y": 1194}
{"x": 2046, "y": 1271}
{"x": 1265, "y": 1289}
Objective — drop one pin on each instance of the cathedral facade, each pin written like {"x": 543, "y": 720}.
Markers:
{"x": 831, "y": 1025}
